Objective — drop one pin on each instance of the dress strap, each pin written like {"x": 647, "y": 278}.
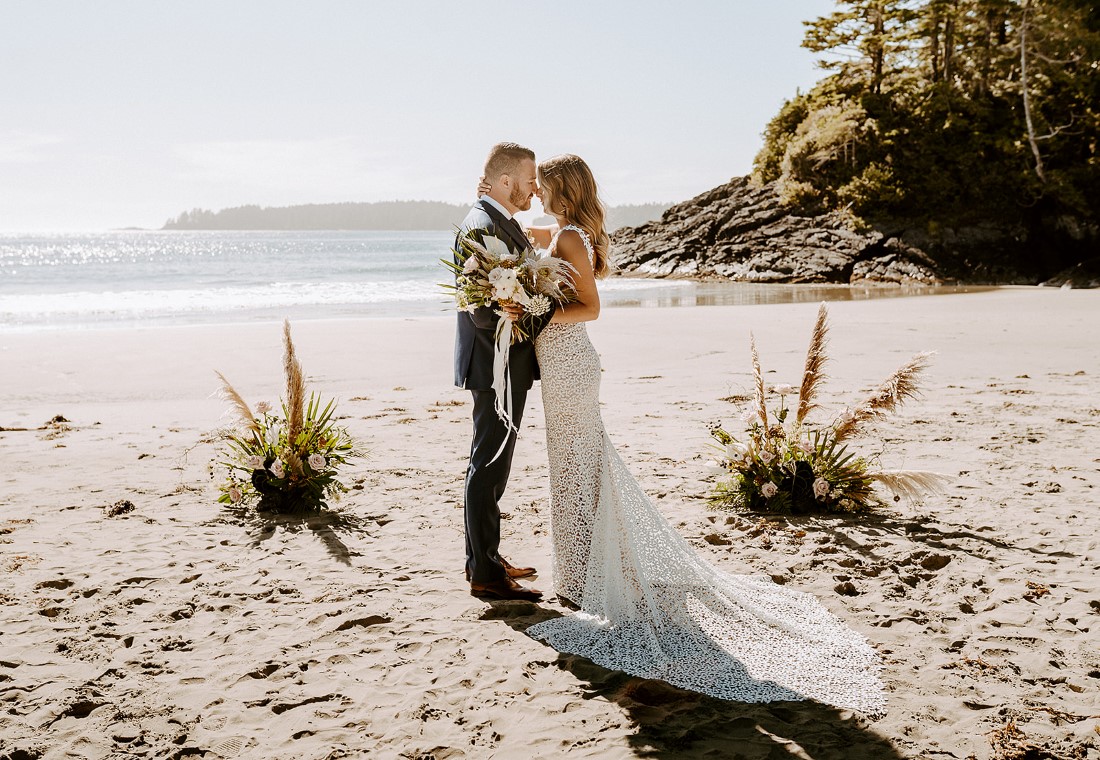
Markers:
{"x": 584, "y": 238}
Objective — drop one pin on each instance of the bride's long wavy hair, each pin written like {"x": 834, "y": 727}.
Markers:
{"x": 573, "y": 191}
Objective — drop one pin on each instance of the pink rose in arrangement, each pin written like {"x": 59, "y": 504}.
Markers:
{"x": 821, "y": 487}
{"x": 235, "y": 494}
{"x": 767, "y": 456}
{"x": 769, "y": 490}
{"x": 317, "y": 462}
{"x": 277, "y": 469}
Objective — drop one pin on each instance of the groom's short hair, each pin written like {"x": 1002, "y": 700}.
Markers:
{"x": 504, "y": 158}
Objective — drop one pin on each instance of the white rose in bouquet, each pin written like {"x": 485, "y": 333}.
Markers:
{"x": 505, "y": 283}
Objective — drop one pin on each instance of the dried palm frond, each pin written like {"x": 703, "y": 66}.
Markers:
{"x": 887, "y": 397}
{"x": 294, "y": 462}
{"x": 554, "y": 277}
{"x": 909, "y": 484}
{"x": 295, "y": 388}
{"x": 758, "y": 378}
{"x": 244, "y": 412}
{"x": 812, "y": 375}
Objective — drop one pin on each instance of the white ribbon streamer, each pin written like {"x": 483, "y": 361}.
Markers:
{"x": 502, "y": 381}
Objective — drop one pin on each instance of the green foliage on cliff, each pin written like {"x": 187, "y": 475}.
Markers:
{"x": 958, "y": 111}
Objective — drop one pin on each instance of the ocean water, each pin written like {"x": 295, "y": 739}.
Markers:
{"x": 125, "y": 278}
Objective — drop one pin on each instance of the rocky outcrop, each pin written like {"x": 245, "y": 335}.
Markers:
{"x": 743, "y": 232}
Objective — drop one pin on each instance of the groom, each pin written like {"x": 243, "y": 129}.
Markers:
{"x": 510, "y": 171}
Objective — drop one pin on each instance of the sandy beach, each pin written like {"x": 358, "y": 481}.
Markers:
{"x": 183, "y": 628}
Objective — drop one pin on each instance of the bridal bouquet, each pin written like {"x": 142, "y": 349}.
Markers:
{"x": 785, "y": 463}
{"x": 288, "y": 461}
{"x": 488, "y": 274}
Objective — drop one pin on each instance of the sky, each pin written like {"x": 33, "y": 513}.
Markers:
{"x": 127, "y": 112}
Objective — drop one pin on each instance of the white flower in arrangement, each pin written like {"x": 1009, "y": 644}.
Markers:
{"x": 256, "y": 462}
{"x": 317, "y": 462}
{"x": 508, "y": 257}
{"x": 505, "y": 284}
{"x": 750, "y": 416}
{"x": 538, "y": 305}
{"x": 471, "y": 265}
{"x": 519, "y": 295}
{"x": 783, "y": 390}
{"x": 277, "y": 469}
{"x": 766, "y": 456}
{"x": 821, "y": 487}
{"x": 263, "y": 407}
{"x": 769, "y": 490}
{"x": 713, "y": 467}
{"x": 737, "y": 452}
{"x": 235, "y": 494}
{"x": 495, "y": 246}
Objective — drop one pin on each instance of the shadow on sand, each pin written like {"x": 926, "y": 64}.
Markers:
{"x": 327, "y": 525}
{"x": 673, "y": 723}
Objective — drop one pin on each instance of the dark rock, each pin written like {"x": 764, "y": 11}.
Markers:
{"x": 1083, "y": 275}
{"x": 742, "y": 232}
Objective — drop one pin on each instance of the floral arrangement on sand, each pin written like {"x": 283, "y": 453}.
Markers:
{"x": 783, "y": 462}
{"x": 488, "y": 274}
{"x": 286, "y": 462}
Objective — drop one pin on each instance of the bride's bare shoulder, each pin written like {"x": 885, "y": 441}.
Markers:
{"x": 571, "y": 244}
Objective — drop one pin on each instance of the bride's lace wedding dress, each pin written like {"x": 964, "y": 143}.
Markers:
{"x": 649, "y": 605}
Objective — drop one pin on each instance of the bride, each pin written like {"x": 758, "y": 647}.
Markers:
{"x": 648, "y": 605}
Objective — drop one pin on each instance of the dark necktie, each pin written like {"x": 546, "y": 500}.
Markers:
{"x": 521, "y": 235}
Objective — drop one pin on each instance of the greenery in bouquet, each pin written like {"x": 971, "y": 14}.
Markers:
{"x": 488, "y": 274}
{"x": 784, "y": 462}
{"x": 285, "y": 461}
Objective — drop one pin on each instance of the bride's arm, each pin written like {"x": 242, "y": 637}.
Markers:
{"x": 587, "y": 306}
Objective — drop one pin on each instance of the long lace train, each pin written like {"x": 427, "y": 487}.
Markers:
{"x": 650, "y": 606}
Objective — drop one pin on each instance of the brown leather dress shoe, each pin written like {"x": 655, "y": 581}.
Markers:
{"x": 517, "y": 572}
{"x": 505, "y": 588}
{"x": 513, "y": 572}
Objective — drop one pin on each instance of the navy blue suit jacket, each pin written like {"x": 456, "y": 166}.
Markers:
{"x": 474, "y": 343}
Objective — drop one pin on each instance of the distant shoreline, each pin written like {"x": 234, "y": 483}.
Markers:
{"x": 404, "y": 216}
